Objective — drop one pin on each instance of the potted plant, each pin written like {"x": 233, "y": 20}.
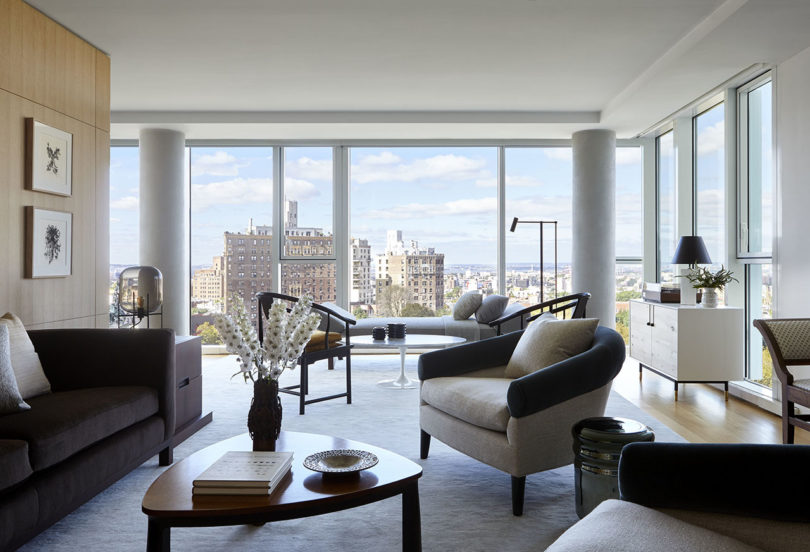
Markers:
{"x": 710, "y": 282}
{"x": 286, "y": 334}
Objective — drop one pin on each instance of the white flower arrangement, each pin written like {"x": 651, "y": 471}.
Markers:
{"x": 285, "y": 336}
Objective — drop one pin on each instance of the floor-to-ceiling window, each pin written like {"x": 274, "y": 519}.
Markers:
{"x": 538, "y": 188}
{"x": 756, "y": 216}
{"x": 667, "y": 205}
{"x": 308, "y": 247}
{"x": 124, "y": 231}
{"x": 629, "y": 234}
{"x": 710, "y": 181}
{"x": 231, "y": 228}
{"x": 423, "y": 227}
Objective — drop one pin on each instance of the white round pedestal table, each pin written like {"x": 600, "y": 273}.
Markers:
{"x": 410, "y": 341}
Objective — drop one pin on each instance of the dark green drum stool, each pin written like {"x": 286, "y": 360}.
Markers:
{"x": 598, "y": 443}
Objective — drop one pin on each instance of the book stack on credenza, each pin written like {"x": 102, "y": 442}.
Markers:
{"x": 244, "y": 473}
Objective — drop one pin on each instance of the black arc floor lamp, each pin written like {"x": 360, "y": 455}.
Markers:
{"x": 542, "y": 224}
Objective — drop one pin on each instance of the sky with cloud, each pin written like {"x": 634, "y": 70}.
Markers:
{"x": 444, "y": 198}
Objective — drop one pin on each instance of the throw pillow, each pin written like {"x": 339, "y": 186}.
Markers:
{"x": 491, "y": 308}
{"x": 10, "y": 399}
{"x": 318, "y": 340}
{"x": 548, "y": 341}
{"x": 466, "y": 305}
{"x": 28, "y": 371}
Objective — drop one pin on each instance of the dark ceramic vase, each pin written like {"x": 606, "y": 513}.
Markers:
{"x": 264, "y": 418}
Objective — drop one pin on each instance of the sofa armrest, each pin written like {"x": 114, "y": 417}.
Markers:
{"x": 469, "y": 357}
{"x": 84, "y": 357}
{"x": 570, "y": 378}
{"x": 708, "y": 477}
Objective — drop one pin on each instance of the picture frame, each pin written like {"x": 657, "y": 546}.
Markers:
{"x": 49, "y": 240}
{"x": 48, "y": 159}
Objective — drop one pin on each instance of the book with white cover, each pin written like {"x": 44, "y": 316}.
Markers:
{"x": 246, "y": 469}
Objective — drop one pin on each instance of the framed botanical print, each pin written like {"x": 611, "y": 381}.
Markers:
{"x": 49, "y": 159}
{"x": 49, "y": 238}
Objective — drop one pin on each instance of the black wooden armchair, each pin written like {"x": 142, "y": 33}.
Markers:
{"x": 571, "y": 306}
{"x": 329, "y": 344}
{"x": 788, "y": 340}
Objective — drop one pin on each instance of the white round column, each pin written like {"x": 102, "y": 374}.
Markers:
{"x": 594, "y": 222}
{"x": 164, "y": 220}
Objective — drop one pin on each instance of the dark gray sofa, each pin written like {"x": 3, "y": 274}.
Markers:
{"x": 111, "y": 409}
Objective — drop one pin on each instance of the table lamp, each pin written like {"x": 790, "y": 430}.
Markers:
{"x": 691, "y": 251}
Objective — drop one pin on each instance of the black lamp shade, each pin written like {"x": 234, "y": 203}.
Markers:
{"x": 691, "y": 251}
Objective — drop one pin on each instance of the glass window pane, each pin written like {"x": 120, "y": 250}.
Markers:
{"x": 667, "y": 205}
{"x": 423, "y": 224}
{"x": 760, "y": 305}
{"x": 760, "y": 171}
{"x": 629, "y": 278}
{"x": 538, "y": 187}
{"x": 231, "y": 220}
{"x": 710, "y": 177}
{"x": 318, "y": 279}
{"x": 308, "y": 202}
{"x": 124, "y": 216}
{"x": 629, "y": 213}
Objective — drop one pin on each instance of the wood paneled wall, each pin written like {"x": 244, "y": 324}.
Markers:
{"x": 50, "y": 74}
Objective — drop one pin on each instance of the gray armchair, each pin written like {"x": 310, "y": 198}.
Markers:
{"x": 519, "y": 426}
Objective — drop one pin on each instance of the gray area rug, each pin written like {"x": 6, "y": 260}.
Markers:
{"x": 465, "y": 505}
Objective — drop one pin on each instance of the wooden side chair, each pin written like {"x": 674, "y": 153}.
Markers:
{"x": 571, "y": 306}
{"x": 788, "y": 340}
{"x": 328, "y": 343}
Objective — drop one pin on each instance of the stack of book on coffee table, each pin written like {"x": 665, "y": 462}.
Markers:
{"x": 244, "y": 473}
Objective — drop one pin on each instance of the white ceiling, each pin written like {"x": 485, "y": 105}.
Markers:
{"x": 400, "y": 69}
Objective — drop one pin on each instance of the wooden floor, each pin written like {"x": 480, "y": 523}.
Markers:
{"x": 700, "y": 415}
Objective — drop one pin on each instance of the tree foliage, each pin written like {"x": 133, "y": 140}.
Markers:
{"x": 359, "y": 313}
{"x": 209, "y": 334}
{"x": 392, "y": 300}
{"x": 415, "y": 309}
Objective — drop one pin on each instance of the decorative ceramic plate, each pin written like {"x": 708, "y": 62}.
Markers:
{"x": 340, "y": 461}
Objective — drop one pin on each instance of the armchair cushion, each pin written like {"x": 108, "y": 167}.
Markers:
{"x": 318, "y": 340}
{"x": 615, "y": 525}
{"x": 475, "y": 400}
{"x": 466, "y": 305}
{"x": 31, "y": 379}
{"x": 548, "y": 341}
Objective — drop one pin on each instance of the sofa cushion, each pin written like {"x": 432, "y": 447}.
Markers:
{"x": 14, "y": 465}
{"x": 615, "y": 526}
{"x": 466, "y": 305}
{"x": 61, "y": 424}
{"x": 10, "y": 398}
{"x": 478, "y": 401}
{"x": 491, "y": 308}
{"x": 31, "y": 378}
{"x": 548, "y": 341}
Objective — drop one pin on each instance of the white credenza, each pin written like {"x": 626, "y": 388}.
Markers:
{"x": 688, "y": 344}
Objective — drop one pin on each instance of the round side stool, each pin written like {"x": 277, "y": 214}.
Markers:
{"x": 598, "y": 443}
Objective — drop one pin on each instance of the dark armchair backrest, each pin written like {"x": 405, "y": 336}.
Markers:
{"x": 571, "y": 306}
{"x": 788, "y": 341}
{"x": 266, "y": 299}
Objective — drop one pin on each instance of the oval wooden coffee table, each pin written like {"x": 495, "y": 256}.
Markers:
{"x": 168, "y": 501}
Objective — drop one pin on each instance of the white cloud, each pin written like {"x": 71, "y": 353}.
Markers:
{"x": 711, "y": 139}
{"x": 309, "y": 169}
{"x": 246, "y": 191}
{"x": 219, "y": 163}
{"x": 465, "y": 207}
{"x": 559, "y": 154}
{"x": 388, "y": 167}
{"x": 628, "y": 156}
{"x": 127, "y": 203}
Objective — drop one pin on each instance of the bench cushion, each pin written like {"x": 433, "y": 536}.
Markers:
{"x": 14, "y": 465}
{"x": 61, "y": 424}
{"x": 478, "y": 401}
